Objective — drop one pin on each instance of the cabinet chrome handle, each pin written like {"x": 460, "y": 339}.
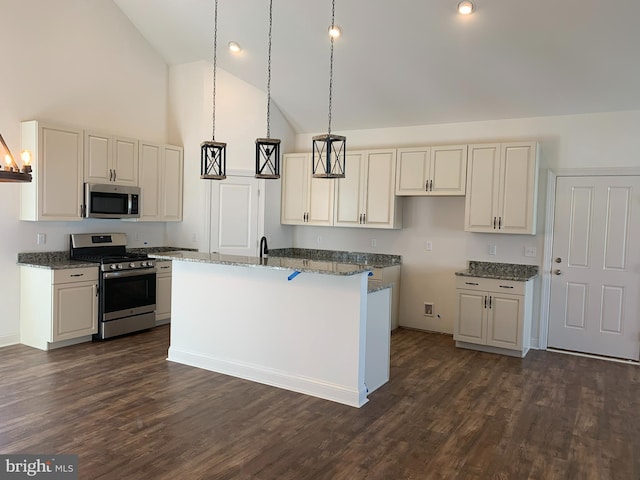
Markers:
{"x": 499, "y": 223}
{"x": 426, "y": 186}
{"x": 485, "y": 301}
{"x": 364, "y": 218}
{"x": 76, "y": 275}
{"x": 506, "y": 286}
{"x": 170, "y": 267}
{"x": 494, "y": 223}
{"x": 431, "y": 185}
{"x": 115, "y": 175}
{"x": 471, "y": 283}
{"x": 489, "y": 301}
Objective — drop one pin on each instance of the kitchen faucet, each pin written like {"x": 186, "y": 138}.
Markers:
{"x": 264, "y": 249}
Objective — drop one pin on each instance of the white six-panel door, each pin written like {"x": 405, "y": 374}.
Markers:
{"x": 595, "y": 287}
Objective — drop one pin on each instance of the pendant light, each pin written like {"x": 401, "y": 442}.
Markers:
{"x": 329, "y": 151}
{"x": 213, "y": 155}
{"x": 268, "y": 149}
{"x": 9, "y": 171}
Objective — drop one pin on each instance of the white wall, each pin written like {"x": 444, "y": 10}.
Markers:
{"x": 80, "y": 63}
{"x": 241, "y": 111}
{"x": 577, "y": 141}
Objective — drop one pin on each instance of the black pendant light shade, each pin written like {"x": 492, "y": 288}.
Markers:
{"x": 329, "y": 154}
{"x": 268, "y": 158}
{"x": 213, "y": 160}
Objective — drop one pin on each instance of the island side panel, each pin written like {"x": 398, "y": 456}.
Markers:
{"x": 305, "y": 335}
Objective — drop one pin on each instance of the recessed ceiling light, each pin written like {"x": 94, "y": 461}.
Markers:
{"x": 335, "y": 31}
{"x": 465, "y": 7}
{"x": 235, "y": 47}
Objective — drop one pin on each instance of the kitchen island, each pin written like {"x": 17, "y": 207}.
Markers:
{"x": 308, "y": 326}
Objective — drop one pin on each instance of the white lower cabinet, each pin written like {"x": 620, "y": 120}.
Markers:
{"x": 58, "y": 307}
{"x": 163, "y": 292}
{"x": 493, "y": 315}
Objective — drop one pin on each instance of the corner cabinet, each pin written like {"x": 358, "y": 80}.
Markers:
{"x": 161, "y": 179}
{"x": 502, "y": 182}
{"x": 305, "y": 200}
{"x": 493, "y": 315}
{"x": 110, "y": 159}
{"x": 58, "y": 307}
{"x": 57, "y": 188}
{"x": 432, "y": 171}
{"x": 366, "y": 198}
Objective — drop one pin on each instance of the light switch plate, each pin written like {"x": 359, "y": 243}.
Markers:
{"x": 492, "y": 249}
{"x": 530, "y": 251}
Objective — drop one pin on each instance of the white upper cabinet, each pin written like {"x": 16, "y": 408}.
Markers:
{"x": 305, "y": 200}
{"x": 502, "y": 188}
{"x": 432, "y": 171}
{"x": 161, "y": 179}
{"x": 366, "y": 196}
{"x": 110, "y": 159}
{"x": 57, "y": 187}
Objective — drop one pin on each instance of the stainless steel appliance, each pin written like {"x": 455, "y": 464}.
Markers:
{"x": 127, "y": 283}
{"x": 111, "y": 201}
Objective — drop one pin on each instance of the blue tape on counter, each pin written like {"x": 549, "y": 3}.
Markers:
{"x": 293, "y": 275}
{"x": 371, "y": 274}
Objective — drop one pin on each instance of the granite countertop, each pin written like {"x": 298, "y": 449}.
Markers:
{"x": 355, "y": 258}
{"x": 61, "y": 260}
{"x": 500, "y": 271}
{"x": 280, "y": 263}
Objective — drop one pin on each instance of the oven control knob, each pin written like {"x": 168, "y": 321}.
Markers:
{"x": 112, "y": 266}
{"x": 143, "y": 264}
{"x": 132, "y": 265}
{"x": 119, "y": 266}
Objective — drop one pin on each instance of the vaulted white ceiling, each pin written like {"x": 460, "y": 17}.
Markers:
{"x": 413, "y": 62}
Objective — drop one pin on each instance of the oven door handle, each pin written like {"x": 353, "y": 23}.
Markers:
{"x": 129, "y": 273}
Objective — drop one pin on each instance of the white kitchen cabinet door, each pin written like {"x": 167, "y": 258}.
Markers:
{"x": 75, "y": 310}
{"x": 110, "y": 159}
{"x": 305, "y": 200}
{"x": 56, "y": 192}
{"x": 448, "y": 170}
{"x": 150, "y": 181}
{"x": 171, "y": 185}
{"x": 366, "y": 198}
{"x": 502, "y": 188}
{"x": 505, "y": 320}
{"x": 470, "y": 322}
{"x": 432, "y": 171}
{"x": 163, "y": 291}
{"x": 412, "y": 177}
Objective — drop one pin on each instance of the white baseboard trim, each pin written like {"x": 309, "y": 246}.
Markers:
{"x": 274, "y": 378}
{"x": 6, "y": 340}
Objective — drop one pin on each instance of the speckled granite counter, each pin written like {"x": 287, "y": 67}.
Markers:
{"x": 500, "y": 271}
{"x": 279, "y": 263}
{"x": 61, "y": 260}
{"x": 354, "y": 258}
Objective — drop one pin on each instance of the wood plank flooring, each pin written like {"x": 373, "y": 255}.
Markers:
{"x": 446, "y": 413}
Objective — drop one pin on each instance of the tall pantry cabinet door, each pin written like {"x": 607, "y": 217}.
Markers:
{"x": 482, "y": 188}
{"x": 295, "y": 188}
{"x": 172, "y": 180}
{"x": 518, "y": 186}
{"x": 380, "y": 191}
{"x": 349, "y": 195}
{"x": 150, "y": 178}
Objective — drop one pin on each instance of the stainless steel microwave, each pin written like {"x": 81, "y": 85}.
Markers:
{"x": 111, "y": 201}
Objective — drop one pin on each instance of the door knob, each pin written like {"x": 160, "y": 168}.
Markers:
{"x": 558, "y": 260}
{"x": 557, "y": 272}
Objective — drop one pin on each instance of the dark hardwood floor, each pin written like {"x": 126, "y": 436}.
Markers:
{"x": 446, "y": 413}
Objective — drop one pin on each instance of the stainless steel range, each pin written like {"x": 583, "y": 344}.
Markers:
{"x": 127, "y": 284}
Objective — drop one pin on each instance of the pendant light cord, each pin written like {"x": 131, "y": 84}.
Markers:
{"x": 215, "y": 49}
{"x": 333, "y": 14}
{"x": 269, "y": 71}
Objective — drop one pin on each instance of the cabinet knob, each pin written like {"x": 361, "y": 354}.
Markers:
{"x": 557, "y": 272}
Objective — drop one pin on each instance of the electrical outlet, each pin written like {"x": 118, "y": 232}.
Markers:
{"x": 492, "y": 249}
{"x": 194, "y": 237}
{"x": 41, "y": 238}
{"x": 319, "y": 240}
{"x": 428, "y": 309}
{"x": 136, "y": 236}
{"x": 373, "y": 242}
{"x": 428, "y": 246}
{"x": 530, "y": 251}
